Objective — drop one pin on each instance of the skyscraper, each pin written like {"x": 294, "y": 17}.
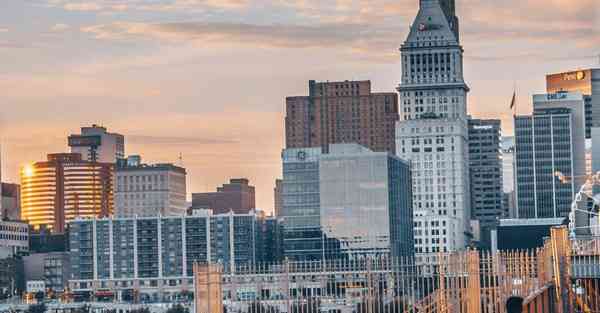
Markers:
{"x": 341, "y": 112}
{"x": 149, "y": 189}
{"x": 549, "y": 142}
{"x": 588, "y": 83}
{"x": 432, "y": 132}
{"x": 96, "y": 144}
{"x": 237, "y": 196}
{"x": 485, "y": 168}
{"x": 55, "y": 191}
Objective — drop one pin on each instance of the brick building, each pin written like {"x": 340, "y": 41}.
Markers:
{"x": 341, "y": 112}
{"x": 237, "y": 196}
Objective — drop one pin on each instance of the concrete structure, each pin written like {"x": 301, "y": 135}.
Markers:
{"x": 586, "y": 82}
{"x": 56, "y": 191}
{"x": 348, "y": 203}
{"x": 14, "y": 236}
{"x": 155, "y": 255}
{"x": 485, "y": 167}
{"x": 11, "y": 202}
{"x": 149, "y": 189}
{"x": 278, "y": 200}
{"x": 549, "y": 142}
{"x": 507, "y": 150}
{"x": 53, "y": 269}
{"x": 96, "y": 144}
{"x": 341, "y": 112}
{"x": 237, "y": 196}
{"x": 432, "y": 133}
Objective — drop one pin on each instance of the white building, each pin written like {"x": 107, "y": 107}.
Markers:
{"x": 432, "y": 131}
{"x": 14, "y": 237}
{"x": 96, "y": 143}
{"x": 149, "y": 190}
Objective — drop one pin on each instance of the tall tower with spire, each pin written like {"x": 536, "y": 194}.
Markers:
{"x": 432, "y": 131}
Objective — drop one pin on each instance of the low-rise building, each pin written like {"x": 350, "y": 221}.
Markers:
{"x": 14, "y": 237}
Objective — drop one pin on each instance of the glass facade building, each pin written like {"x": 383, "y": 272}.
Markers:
{"x": 544, "y": 147}
{"x": 366, "y": 203}
{"x": 348, "y": 203}
{"x": 300, "y": 212}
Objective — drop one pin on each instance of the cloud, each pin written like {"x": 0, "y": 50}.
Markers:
{"x": 3, "y": 30}
{"x": 352, "y": 37}
{"x": 59, "y": 27}
{"x": 83, "y": 6}
{"x": 139, "y": 5}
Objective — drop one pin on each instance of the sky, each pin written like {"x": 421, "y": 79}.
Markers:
{"x": 207, "y": 79}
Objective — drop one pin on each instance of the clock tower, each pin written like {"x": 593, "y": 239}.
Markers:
{"x": 432, "y": 131}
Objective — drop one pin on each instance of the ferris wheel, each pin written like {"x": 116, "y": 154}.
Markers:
{"x": 584, "y": 219}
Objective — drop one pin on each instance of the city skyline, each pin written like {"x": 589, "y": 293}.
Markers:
{"x": 127, "y": 66}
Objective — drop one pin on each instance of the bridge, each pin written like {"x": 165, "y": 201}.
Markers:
{"x": 561, "y": 277}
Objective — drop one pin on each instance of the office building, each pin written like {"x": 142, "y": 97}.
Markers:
{"x": 237, "y": 196}
{"x": 11, "y": 202}
{"x": 348, "y": 203}
{"x": 341, "y": 112}
{"x": 277, "y": 197}
{"x": 301, "y": 209}
{"x": 485, "y": 167}
{"x": 549, "y": 152}
{"x": 149, "y": 189}
{"x": 55, "y": 191}
{"x": 95, "y": 144}
{"x": 507, "y": 151}
{"x": 586, "y": 82}
{"x": 432, "y": 132}
{"x": 14, "y": 237}
{"x": 365, "y": 203}
{"x": 155, "y": 255}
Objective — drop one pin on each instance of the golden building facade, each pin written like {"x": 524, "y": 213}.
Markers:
{"x": 55, "y": 191}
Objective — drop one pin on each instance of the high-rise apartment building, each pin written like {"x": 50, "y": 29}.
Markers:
{"x": 348, "y": 203}
{"x": 237, "y": 196}
{"x": 485, "y": 168}
{"x": 96, "y": 144}
{"x": 156, "y": 254}
{"x": 341, "y": 112}
{"x": 549, "y": 152}
{"x": 55, "y": 191}
{"x": 149, "y": 189}
{"x": 432, "y": 133}
{"x": 586, "y": 82}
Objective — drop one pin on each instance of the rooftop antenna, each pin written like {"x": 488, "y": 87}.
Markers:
{"x": 180, "y": 159}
